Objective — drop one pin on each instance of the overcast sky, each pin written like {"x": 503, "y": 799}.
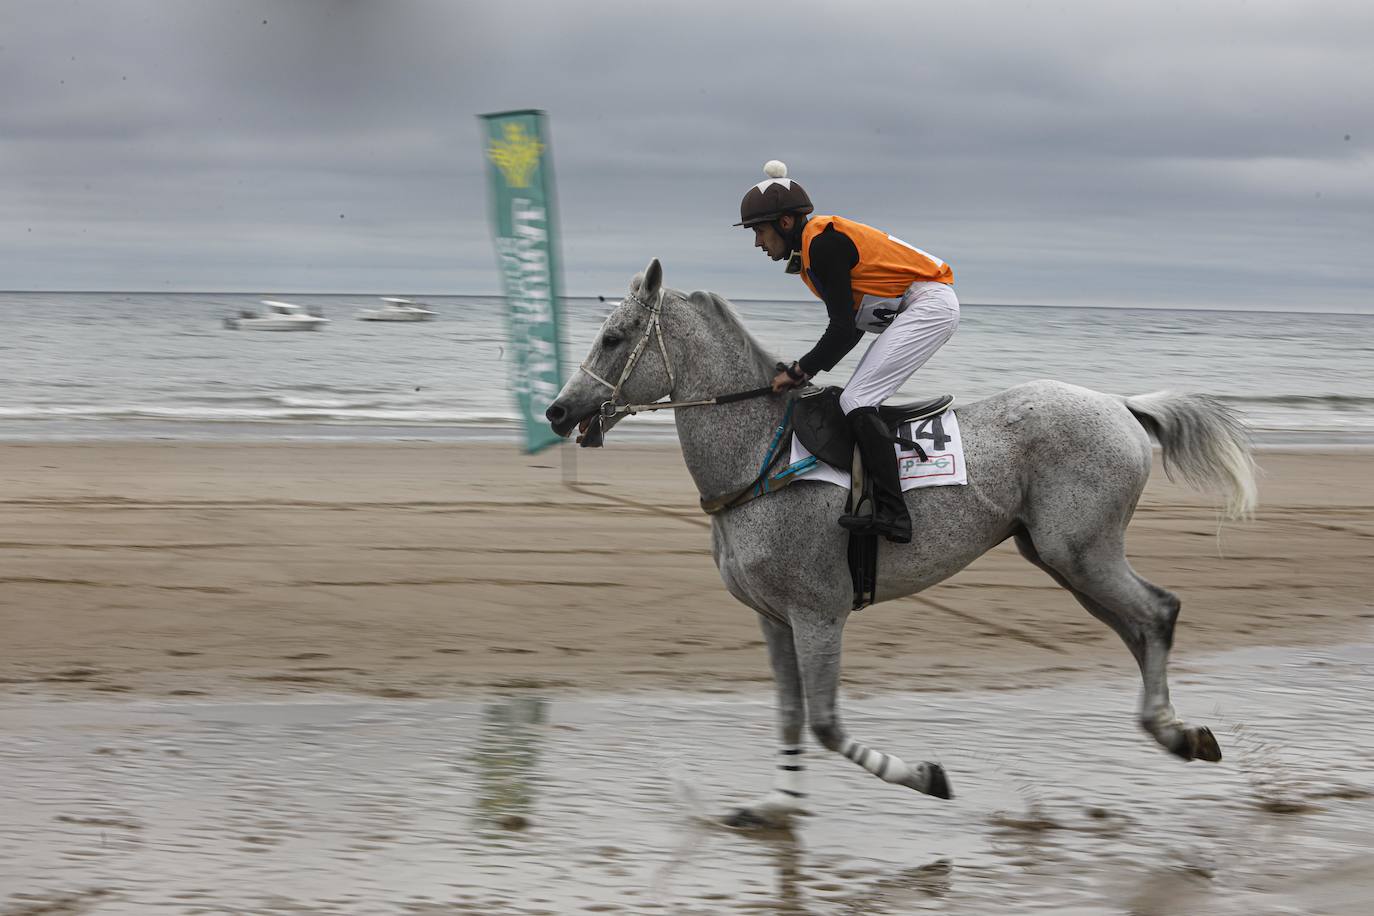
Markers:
{"x": 1148, "y": 153}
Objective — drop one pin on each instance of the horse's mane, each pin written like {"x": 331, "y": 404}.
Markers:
{"x": 726, "y": 310}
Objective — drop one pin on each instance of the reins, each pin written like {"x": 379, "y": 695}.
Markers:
{"x": 610, "y": 410}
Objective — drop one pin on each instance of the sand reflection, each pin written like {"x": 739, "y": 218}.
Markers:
{"x": 504, "y": 762}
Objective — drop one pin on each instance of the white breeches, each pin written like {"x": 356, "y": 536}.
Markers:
{"x": 929, "y": 317}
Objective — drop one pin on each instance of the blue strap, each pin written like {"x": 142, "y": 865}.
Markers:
{"x": 796, "y": 467}
{"x": 765, "y": 484}
{"x": 768, "y": 458}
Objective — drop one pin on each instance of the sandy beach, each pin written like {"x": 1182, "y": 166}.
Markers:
{"x": 405, "y": 570}
{"x": 422, "y": 679}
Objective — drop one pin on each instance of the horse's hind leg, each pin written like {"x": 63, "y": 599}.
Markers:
{"x": 1142, "y": 613}
{"x": 788, "y": 797}
{"x": 818, "y": 653}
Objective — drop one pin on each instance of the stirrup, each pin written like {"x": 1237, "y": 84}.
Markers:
{"x": 858, "y": 523}
{"x": 858, "y": 520}
{"x": 872, "y": 525}
{"x": 875, "y": 528}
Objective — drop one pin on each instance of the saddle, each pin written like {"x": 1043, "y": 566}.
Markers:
{"x": 822, "y": 430}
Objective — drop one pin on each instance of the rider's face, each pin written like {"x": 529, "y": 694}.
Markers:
{"x": 766, "y": 237}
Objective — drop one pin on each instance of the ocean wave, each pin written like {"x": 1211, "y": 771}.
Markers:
{"x": 407, "y": 400}
{"x": 201, "y": 414}
{"x": 1321, "y": 401}
{"x": 344, "y": 406}
{"x": 239, "y": 389}
{"x": 280, "y": 415}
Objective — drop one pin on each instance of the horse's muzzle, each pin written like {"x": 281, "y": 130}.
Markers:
{"x": 592, "y": 428}
{"x": 559, "y": 419}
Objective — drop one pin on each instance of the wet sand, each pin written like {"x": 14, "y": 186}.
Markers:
{"x": 528, "y": 804}
{"x": 428, "y": 678}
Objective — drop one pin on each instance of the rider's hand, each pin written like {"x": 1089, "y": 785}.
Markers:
{"x": 784, "y": 381}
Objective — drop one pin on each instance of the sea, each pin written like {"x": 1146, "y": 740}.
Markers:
{"x": 122, "y": 366}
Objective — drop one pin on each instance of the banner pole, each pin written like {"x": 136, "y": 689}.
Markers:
{"x": 569, "y": 463}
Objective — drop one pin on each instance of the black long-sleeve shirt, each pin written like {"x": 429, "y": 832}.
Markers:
{"x": 832, "y": 256}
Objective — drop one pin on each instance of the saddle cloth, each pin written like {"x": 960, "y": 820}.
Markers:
{"x": 938, "y": 435}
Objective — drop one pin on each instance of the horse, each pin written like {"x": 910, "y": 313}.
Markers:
{"x": 1057, "y": 467}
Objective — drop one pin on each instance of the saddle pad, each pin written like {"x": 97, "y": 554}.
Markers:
{"x": 939, "y": 436}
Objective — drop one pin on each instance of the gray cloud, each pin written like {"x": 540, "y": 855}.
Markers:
{"x": 1131, "y": 153}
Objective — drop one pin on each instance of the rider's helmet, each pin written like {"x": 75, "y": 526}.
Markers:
{"x": 775, "y": 195}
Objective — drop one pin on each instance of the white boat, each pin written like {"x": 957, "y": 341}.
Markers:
{"x": 397, "y": 309}
{"x": 280, "y": 316}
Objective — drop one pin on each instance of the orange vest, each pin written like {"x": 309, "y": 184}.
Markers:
{"x": 887, "y": 265}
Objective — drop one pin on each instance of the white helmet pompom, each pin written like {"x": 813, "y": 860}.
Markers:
{"x": 775, "y": 169}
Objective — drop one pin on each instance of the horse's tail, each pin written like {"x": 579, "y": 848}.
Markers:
{"x": 1205, "y": 441}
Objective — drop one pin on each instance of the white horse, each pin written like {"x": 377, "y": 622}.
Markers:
{"x": 1057, "y": 467}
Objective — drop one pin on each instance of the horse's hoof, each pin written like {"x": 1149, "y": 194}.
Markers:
{"x": 1197, "y": 743}
{"x": 930, "y": 778}
{"x": 1204, "y": 744}
{"x": 939, "y": 783}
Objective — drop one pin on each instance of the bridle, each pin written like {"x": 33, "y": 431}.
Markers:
{"x": 654, "y": 327}
{"x": 768, "y": 479}
{"x": 610, "y": 409}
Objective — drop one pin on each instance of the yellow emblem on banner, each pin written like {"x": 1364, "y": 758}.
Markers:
{"x": 516, "y": 156}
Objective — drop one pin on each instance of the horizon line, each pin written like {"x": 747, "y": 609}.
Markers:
{"x": 1037, "y": 305}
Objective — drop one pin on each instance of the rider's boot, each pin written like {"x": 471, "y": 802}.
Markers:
{"x": 885, "y": 513}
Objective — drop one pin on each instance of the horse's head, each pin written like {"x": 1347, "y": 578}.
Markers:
{"x": 626, "y": 364}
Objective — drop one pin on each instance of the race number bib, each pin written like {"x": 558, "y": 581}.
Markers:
{"x": 939, "y": 438}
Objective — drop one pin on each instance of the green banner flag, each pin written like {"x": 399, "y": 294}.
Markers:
{"x": 520, "y": 168}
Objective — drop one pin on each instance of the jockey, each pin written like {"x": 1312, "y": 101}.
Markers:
{"x": 869, "y": 281}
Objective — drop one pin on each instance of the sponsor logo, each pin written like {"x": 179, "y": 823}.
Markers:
{"x": 517, "y": 155}
{"x": 941, "y": 465}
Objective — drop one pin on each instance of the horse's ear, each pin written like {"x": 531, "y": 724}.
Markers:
{"x": 653, "y": 280}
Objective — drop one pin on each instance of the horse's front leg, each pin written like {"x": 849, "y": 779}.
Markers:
{"x": 818, "y": 654}
{"x": 788, "y": 797}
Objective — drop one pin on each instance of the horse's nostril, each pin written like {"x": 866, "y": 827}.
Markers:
{"x": 555, "y": 414}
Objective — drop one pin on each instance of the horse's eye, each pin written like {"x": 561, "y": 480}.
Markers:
{"x": 610, "y": 340}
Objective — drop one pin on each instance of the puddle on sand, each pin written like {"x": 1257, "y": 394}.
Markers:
{"x": 522, "y": 804}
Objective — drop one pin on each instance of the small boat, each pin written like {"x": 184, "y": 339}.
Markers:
{"x": 397, "y": 309}
{"x": 280, "y": 316}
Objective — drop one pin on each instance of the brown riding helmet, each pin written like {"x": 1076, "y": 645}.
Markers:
{"x": 775, "y": 195}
